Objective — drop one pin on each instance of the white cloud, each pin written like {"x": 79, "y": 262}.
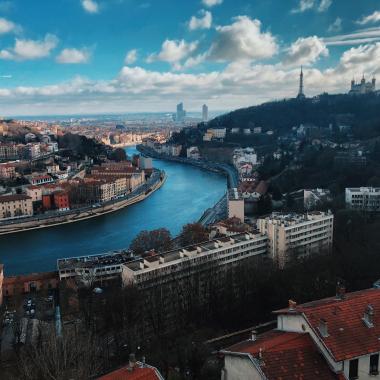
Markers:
{"x": 173, "y": 51}
{"x": 90, "y": 6}
{"x": 324, "y": 5}
{"x": 7, "y": 26}
{"x": 242, "y": 40}
{"x": 372, "y": 18}
{"x": 364, "y": 58}
{"x": 306, "y": 5}
{"x": 70, "y": 56}
{"x": 336, "y": 26}
{"x": 211, "y": 3}
{"x": 131, "y": 57}
{"x": 204, "y": 21}
{"x": 305, "y": 51}
{"x": 30, "y": 49}
{"x": 303, "y": 6}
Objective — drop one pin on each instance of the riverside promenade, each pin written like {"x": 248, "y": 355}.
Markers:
{"x": 157, "y": 179}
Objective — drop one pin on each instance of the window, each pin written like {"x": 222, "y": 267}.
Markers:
{"x": 354, "y": 367}
{"x": 374, "y": 364}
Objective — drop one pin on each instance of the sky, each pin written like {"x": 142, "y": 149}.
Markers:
{"x": 100, "y": 56}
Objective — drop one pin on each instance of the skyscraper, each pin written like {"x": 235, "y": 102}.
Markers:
{"x": 205, "y": 113}
{"x": 181, "y": 113}
{"x": 301, "y": 94}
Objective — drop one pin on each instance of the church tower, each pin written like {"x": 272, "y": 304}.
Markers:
{"x": 301, "y": 94}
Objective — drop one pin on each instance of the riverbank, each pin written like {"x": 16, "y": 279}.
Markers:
{"x": 215, "y": 167}
{"x": 89, "y": 213}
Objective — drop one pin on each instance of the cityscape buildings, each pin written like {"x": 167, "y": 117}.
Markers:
{"x": 204, "y": 113}
{"x": 363, "y": 198}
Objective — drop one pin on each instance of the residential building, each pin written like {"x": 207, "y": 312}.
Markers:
{"x": 61, "y": 201}
{"x": 296, "y": 235}
{"x": 333, "y": 338}
{"x": 363, "y": 198}
{"x": 41, "y": 180}
{"x": 145, "y": 163}
{"x": 89, "y": 269}
{"x": 15, "y": 206}
{"x": 173, "y": 266}
{"x": 7, "y": 170}
{"x": 235, "y": 205}
{"x": 181, "y": 113}
{"x": 34, "y": 192}
{"x": 9, "y": 151}
{"x": 1, "y": 283}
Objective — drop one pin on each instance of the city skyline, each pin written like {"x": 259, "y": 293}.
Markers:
{"x": 119, "y": 56}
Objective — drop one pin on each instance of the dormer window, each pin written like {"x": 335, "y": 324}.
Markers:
{"x": 368, "y": 316}
{"x": 323, "y": 328}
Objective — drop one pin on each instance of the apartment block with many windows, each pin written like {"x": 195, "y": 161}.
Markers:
{"x": 363, "y": 198}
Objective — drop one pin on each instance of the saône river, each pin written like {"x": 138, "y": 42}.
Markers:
{"x": 186, "y": 194}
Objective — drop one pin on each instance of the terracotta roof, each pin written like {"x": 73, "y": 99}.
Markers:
{"x": 14, "y": 197}
{"x": 146, "y": 373}
{"x": 348, "y": 335}
{"x": 30, "y": 277}
{"x": 287, "y": 356}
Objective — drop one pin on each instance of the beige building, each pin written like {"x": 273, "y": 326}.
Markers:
{"x": 15, "y": 206}
{"x": 235, "y": 205}
{"x": 296, "y": 235}
{"x": 7, "y": 170}
{"x": 34, "y": 192}
{"x": 363, "y": 198}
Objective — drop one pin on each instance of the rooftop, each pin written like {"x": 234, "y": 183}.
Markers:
{"x": 286, "y": 356}
{"x": 14, "y": 197}
{"x": 138, "y": 373}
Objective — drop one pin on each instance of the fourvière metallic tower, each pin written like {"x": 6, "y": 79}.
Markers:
{"x": 301, "y": 94}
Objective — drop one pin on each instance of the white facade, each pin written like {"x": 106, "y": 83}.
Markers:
{"x": 235, "y": 205}
{"x": 363, "y": 198}
{"x": 296, "y": 235}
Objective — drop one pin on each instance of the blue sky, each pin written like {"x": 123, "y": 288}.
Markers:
{"x": 86, "y": 56}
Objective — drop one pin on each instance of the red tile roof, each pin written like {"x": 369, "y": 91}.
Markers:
{"x": 146, "y": 373}
{"x": 287, "y": 356}
{"x": 348, "y": 335}
{"x": 14, "y": 197}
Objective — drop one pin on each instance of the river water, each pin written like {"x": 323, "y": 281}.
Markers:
{"x": 187, "y": 193}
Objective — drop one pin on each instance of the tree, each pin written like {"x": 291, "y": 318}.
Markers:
{"x": 193, "y": 233}
{"x": 118, "y": 155}
{"x": 159, "y": 240}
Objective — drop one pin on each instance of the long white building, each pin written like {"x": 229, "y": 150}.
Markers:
{"x": 363, "y": 198}
{"x": 295, "y": 235}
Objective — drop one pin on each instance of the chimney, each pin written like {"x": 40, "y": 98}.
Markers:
{"x": 143, "y": 362}
{"x": 253, "y": 335}
{"x": 292, "y": 305}
{"x": 323, "y": 328}
{"x": 368, "y": 316}
{"x": 132, "y": 362}
{"x": 340, "y": 291}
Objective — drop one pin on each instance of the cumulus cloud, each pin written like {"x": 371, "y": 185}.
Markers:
{"x": 90, "y": 6}
{"x": 372, "y": 18}
{"x": 305, "y": 51}
{"x": 70, "y": 56}
{"x": 242, "y": 40}
{"x": 131, "y": 57}
{"x": 30, "y": 49}
{"x": 204, "y": 21}
{"x": 364, "y": 58}
{"x": 7, "y": 26}
{"x": 336, "y": 26}
{"x": 173, "y": 51}
{"x": 211, "y": 3}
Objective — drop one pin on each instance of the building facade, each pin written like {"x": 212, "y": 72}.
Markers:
{"x": 292, "y": 236}
{"x": 363, "y": 198}
{"x": 235, "y": 205}
{"x": 15, "y": 206}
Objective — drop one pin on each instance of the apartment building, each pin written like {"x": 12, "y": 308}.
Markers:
{"x": 8, "y": 171}
{"x": 181, "y": 263}
{"x": 34, "y": 192}
{"x": 9, "y": 152}
{"x": 15, "y": 206}
{"x": 93, "y": 268}
{"x": 296, "y": 235}
{"x": 333, "y": 338}
{"x": 363, "y": 198}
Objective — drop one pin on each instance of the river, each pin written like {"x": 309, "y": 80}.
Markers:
{"x": 187, "y": 193}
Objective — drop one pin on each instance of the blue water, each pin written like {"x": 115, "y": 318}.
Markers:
{"x": 187, "y": 193}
